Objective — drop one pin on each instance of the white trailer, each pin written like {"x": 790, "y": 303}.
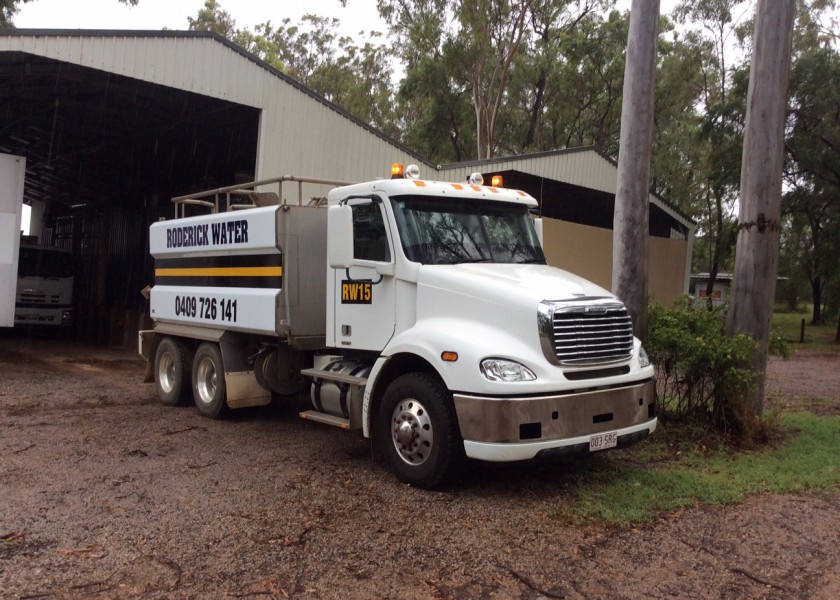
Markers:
{"x": 421, "y": 313}
{"x": 12, "y": 174}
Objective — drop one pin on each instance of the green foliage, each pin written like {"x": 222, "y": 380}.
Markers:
{"x": 678, "y": 468}
{"x": 811, "y": 237}
{"x": 702, "y": 374}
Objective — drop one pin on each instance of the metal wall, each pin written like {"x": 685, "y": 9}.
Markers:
{"x": 587, "y": 251}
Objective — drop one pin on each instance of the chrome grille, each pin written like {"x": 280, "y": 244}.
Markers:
{"x": 588, "y": 334}
{"x": 33, "y": 297}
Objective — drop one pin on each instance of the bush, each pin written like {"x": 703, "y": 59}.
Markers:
{"x": 702, "y": 374}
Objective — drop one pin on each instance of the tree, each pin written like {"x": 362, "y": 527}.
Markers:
{"x": 812, "y": 173}
{"x": 476, "y": 40}
{"x": 630, "y": 225}
{"x": 566, "y": 85}
{"x": 759, "y": 217}
{"x": 213, "y": 18}
{"x": 698, "y": 148}
{"x": 552, "y": 23}
{"x": 354, "y": 77}
{"x": 8, "y": 9}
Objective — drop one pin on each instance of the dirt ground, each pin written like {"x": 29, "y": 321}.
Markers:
{"x": 106, "y": 494}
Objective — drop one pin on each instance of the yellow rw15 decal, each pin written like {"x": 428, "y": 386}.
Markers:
{"x": 356, "y": 292}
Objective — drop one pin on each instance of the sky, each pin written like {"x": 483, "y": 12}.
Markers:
{"x": 156, "y": 14}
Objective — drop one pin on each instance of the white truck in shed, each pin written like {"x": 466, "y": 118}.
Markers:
{"x": 422, "y": 313}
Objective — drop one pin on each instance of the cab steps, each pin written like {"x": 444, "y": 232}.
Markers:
{"x": 357, "y": 384}
{"x": 319, "y": 417}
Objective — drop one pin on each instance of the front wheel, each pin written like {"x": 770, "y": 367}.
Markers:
{"x": 418, "y": 430}
{"x": 208, "y": 381}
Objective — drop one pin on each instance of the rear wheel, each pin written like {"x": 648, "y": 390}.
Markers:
{"x": 172, "y": 372}
{"x": 208, "y": 381}
{"x": 418, "y": 430}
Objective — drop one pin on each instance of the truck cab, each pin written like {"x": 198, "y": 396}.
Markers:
{"x": 44, "y": 295}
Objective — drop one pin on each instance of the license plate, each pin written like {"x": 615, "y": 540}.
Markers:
{"x": 602, "y": 441}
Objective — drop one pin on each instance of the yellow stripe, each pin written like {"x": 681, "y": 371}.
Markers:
{"x": 221, "y": 272}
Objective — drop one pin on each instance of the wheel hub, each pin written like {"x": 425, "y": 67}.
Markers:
{"x": 411, "y": 432}
{"x": 405, "y": 432}
{"x": 167, "y": 373}
{"x": 207, "y": 381}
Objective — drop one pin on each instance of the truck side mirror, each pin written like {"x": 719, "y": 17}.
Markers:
{"x": 340, "y": 236}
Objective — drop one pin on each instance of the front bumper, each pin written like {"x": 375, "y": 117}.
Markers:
{"x": 509, "y": 429}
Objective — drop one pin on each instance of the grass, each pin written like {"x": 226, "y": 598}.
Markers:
{"x": 817, "y": 337}
{"x": 682, "y": 467}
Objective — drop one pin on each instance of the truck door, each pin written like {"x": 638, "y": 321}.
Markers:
{"x": 12, "y": 170}
{"x": 365, "y": 305}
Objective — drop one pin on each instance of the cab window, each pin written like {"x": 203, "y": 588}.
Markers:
{"x": 370, "y": 239}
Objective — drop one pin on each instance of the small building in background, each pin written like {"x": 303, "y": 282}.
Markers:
{"x": 721, "y": 288}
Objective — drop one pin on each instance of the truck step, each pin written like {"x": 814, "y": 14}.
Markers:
{"x": 334, "y": 376}
{"x": 319, "y": 417}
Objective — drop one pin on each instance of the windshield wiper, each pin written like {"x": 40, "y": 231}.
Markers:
{"x": 474, "y": 260}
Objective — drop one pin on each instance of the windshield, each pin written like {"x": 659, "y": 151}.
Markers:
{"x": 445, "y": 231}
{"x": 43, "y": 262}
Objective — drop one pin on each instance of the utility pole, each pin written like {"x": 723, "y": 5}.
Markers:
{"x": 630, "y": 219}
{"x": 760, "y": 212}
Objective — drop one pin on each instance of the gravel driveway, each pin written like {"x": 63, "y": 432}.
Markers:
{"x": 106, "y": 494}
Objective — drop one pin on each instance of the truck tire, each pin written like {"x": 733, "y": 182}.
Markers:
{"x": 418, "y": 430}
{"x": 172, "y": 373}
{"x": 208, "y": 381}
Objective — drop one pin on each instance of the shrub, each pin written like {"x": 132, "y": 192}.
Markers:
{"x": 702, "y": 374}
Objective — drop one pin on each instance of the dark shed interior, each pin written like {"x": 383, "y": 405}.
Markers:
{"x": 104, "y": 154}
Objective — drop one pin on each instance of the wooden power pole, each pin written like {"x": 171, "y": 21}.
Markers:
{"x": 630, "y": 220}
{"x": 760, "y": 212}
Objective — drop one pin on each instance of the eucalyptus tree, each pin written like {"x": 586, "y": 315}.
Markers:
{"x": 555, "y": 25}
{"x": 697, "y": 163}
{"x": 812, "y": 144}
{"x": 759, "y": 209}
{"x": 356, "y": 77}
{"x": 566, "y": 84}
{"x": 475, "y": 43}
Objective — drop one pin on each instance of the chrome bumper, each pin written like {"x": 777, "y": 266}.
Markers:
{"x": 505, "y": 429}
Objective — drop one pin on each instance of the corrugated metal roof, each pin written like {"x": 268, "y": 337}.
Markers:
{"x": 585, "y": 166}
{"x": 203, "y": 62}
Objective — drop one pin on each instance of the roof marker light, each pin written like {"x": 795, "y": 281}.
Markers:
{"x": 476, "y": 179}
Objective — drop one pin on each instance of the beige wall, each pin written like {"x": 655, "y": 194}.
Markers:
{"x": 587, "y": 251}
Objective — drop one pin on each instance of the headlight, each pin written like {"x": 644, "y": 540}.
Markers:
{"x": 644, "y": 361}
{"x": 500, "y": 369}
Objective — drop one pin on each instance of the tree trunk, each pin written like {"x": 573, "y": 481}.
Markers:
{"x": 837, "y": 335}
{"x": 536, "y": 111}
{"x": 631, "y": 221}
{"x": 816, "y": 298}
{"x": 759, "y": 216}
